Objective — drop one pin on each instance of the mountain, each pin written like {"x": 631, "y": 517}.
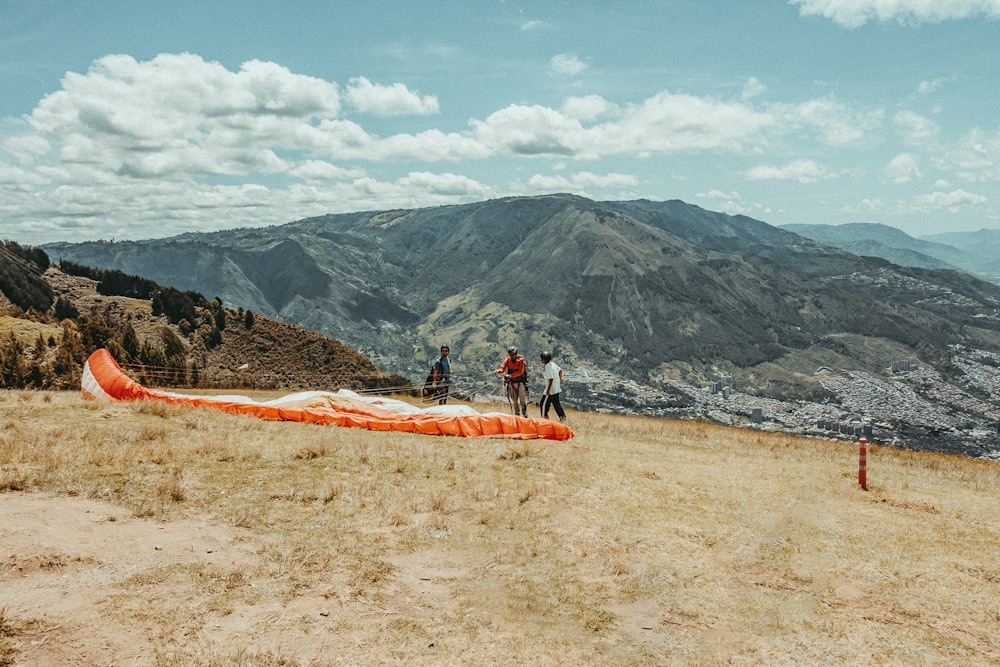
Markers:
{"x": 981, "y": 247}
{"x": 645, "y": 304}
{"x": 974, "y": 253}
{"x": 646, "y": 289}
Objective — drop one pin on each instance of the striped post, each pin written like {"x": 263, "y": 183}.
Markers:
{"x": 863, "y": 464}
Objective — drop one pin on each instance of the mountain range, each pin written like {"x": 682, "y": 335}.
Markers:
{"x": 649, "y": 291}
{"x": 977, "y": 253}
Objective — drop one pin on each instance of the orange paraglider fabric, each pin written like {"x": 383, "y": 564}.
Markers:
{"x": 103, "y": 379}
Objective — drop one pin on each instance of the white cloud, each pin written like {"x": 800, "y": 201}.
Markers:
{"x": 157, "y": 145}
{"x": 664, "y": 123}
{"x": 534, "y": 130}
{"x": 446, "y": 184}
{"x": 16, "y": 176}
{"x": 581, "y": 182}
{"x": 667, "y": 123}
{"x": 914, "y": 128}
{"x": 904, "y": 168}
{"x": 727, "y": 202}
{"x": 803, "y": 171}
{"x": 855, "y": 13}
{"x": 752, "y": 88}
{"x": 928, "y": 87}
{"x": 392, "y": 100}
{"x": 951, "y": 201}
{"x": 531, "y": 25}
{"x": 427, "y": 146}
{"x": 587, "y": 107}
{"x": 25, "y": 149}
{"x": 976, "y": 157}
{"x": 837, "y": 124}
{"x": 319, "y": 170}
{"x": 566, "y": 64}
{"x": 180, "y": 116}
{"x": 933, "y": 203}
{"x": 718, "y": 194}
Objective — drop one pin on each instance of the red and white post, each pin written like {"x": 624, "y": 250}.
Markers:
{"x": 863, "y": 464}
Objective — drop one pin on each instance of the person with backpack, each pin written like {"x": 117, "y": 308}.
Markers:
{"x": 552, "y": 378}
{"x": 515, "y": 376}
{"x": 440, "y": 376}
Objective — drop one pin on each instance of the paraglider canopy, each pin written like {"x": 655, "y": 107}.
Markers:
{"x": 104, "y": 379}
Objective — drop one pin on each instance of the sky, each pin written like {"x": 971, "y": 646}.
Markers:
{"x": 129, "y": 119}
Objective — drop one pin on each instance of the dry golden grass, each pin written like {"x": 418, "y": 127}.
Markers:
{"x": 641, "y": 541}
{"x": 27, "y": 331}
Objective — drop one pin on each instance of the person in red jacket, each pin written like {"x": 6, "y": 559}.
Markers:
{"x": 515, "y": 376}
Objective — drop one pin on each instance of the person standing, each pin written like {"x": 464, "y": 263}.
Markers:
{"x": 441, "y": 376}
{"x": 515, "y": 375}
{"x": 552, "y": 380}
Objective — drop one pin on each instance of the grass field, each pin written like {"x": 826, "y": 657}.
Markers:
{"x": 152, "y": 535}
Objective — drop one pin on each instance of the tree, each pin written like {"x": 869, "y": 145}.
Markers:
{"x": 129, "y": 342}
{"x": 65, "y": 310}
{"x": 12, "y": 365}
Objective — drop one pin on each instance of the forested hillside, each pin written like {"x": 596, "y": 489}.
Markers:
{"x": 52, "y": 318}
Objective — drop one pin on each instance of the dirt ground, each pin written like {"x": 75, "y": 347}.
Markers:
{"x": 62, "y": 557}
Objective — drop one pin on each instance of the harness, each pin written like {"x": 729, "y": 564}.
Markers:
{"x": 522, "y": 376}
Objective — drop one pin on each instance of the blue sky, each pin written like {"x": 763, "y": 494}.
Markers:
{"x": 135, "y": 119}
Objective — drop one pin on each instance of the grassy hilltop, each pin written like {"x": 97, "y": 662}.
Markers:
{"x": 152, "y": 535}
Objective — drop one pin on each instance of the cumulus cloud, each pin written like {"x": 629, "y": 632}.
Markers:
{"x": 803, "y": 171}
{"x": 914, "y": 128}
{"x": 664, "y": 123}
{"x": 904, "y": 168}
{"x": 158, "y": 144}
{"x": 391, "y": 100}
{"x": 566, "y": 64}
{"x": 837, "y": 124}
{"x": 319, "y": 170}
{"x": 587, "y": 107}
{"x": 531, "y": 130}
{"x": 951, "y": 201}
{"x": 855, "y": 13}
{"x": 445, "y": 184}
{"x": 581, "y": 182}
{"x": 179, "y": 115}
{"x": 16, "y": 176}
{"x": 668, "y": 122}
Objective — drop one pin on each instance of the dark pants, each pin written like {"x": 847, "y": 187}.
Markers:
{"x": 437, "y": 391}
{"x": 552, "y": 400}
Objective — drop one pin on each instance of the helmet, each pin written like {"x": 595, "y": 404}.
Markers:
{"x": 511, "y": 350}
{"x": 546, "y": 357}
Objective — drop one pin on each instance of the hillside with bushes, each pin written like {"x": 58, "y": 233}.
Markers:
{"x": 52, "y": 318}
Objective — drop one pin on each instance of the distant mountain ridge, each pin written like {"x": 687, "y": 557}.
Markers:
{"x": 977, "y": 253}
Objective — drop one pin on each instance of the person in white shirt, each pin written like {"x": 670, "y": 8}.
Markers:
{"x": 552, "y": 383}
